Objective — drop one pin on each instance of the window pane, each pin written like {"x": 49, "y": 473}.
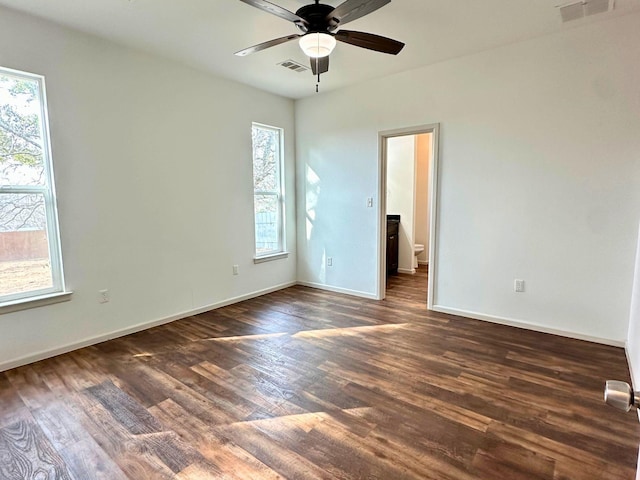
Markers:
{"x": 266, "y": 157}
{"x": 21, "y": 145}
{"x": 267, "y": 213}
{"x": 267, "y": 189}
{"x": 24, "y": 249}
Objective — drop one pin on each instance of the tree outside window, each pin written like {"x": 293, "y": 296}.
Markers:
{"x": 29, "y": 250}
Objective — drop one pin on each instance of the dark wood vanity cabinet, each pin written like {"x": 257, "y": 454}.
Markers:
{"x": 393, "y": 224}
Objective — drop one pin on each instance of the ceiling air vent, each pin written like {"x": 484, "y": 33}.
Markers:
{"x": 295, "y": 66}
{"x": 576, "y": 10}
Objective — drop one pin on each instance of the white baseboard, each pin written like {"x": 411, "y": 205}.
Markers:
{"x": 410, "y": 271}
{"x": 346, "y": 291}
{"x": 526, "y": 325}
{"x": 423, "y": 262}
{"x": 36, "y": 357}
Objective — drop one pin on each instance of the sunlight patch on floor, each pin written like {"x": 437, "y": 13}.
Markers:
{"x": 338, "y": 332}
{"x": 241, "y": 338}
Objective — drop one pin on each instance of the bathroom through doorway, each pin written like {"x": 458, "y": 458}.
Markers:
{"x": 407, "y": 208}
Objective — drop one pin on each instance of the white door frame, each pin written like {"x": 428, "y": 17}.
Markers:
{"x": 434, "y": 129}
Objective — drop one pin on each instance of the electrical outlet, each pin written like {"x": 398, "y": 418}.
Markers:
{"x": 518, "y": 285}
{"x": 104, "y": 296}
{"x": 370, "y": 202}
{"x": 329, "y": 261}
{"x": 236, "y": 270}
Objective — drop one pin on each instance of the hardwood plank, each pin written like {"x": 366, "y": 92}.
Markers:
{"x": 124, "y": 409}
{"x": 513, "y": 462}
{"x": 13, "y": 408}
{"x": 86, "y": 460}
{"x": 26, "y": 454}
{"x": 280, "y": 458}
{"x": 216, "y": 452}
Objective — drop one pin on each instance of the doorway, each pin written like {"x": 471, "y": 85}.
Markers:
{"x": 405, "y": 186}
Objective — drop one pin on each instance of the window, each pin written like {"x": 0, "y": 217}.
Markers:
{"x": 268, "y": 195}
{"x": 30, "y": 261}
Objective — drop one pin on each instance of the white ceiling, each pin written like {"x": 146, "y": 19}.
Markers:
{"x": 205, "y": 34}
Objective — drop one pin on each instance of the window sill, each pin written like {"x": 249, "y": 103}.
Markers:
{"x": 34, "y": 302}
{"x": 271, "y": 257}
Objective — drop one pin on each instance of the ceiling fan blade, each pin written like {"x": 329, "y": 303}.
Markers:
{"x": 270, "y": 43}
{"x": 353, "y": 9}
{"x": 276, "y": 10}
{"x": 370, "y": 41}
{"x": 320, "y": 65}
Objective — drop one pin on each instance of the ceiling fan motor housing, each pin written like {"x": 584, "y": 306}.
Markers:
{"x": 317, "y": 17}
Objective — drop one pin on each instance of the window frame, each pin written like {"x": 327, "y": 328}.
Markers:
{"x": 281, "y": 250}
{"x": 50, "y": 206}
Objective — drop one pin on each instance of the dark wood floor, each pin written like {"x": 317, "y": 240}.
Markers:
{"x": 305, "y": 384}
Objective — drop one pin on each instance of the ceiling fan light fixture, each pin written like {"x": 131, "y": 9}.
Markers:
{"x": 317, "y": 45}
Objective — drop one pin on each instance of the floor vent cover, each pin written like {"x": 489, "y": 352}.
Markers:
{"x": 293, "y": 65}
{"x": 584, "y": 8}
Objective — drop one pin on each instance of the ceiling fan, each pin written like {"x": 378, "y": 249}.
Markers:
{"x": 318, "y": 22}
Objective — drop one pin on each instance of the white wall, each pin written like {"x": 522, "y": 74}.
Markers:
{"x": 540, "y": 161}
{"x": 401, "y": 152}
{"x": 423, "y": 156}
{"x": 153, "y": 169}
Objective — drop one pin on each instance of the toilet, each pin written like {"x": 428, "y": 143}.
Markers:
{"x": 417, "y": 250}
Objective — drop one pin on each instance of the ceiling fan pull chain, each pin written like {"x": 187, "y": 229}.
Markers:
{"x": 317, "y": 60}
